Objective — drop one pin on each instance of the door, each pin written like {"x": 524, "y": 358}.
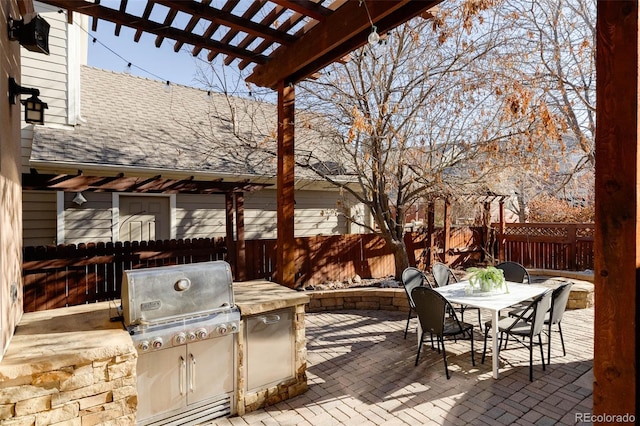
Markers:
{"x": 161, "y": 382}
{"x": 211, "y": 368}
{"x": 270, "y": 333}
{"x": 144, "y": 218}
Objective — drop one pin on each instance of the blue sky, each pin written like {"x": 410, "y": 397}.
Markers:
{"x": 114, "y": 53}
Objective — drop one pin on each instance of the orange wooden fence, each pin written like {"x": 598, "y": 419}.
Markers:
{"x": 58, "y": 276}
{"x": 560, "y": 246}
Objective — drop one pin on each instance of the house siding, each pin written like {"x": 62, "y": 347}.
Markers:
{"x": 39, "y": 218}
{"x": 196, "y": 216}
{"x": 200, "y": 216}
{"x": 53, "y": 74}
{"x": 90, "y": 222}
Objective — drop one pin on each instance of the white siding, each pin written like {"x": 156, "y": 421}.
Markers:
{"x": 90, "y": 222}
{"x": 48, "y": 73}
{"x": 200, "y": 216}
{"x": 56, "y": 75}
{"x": 315, "y": 214}
{"x": 39, "y": 218}
{"x": 196, "y": 216}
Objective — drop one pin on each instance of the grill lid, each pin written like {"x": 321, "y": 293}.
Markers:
{"x": 166, "y": 293}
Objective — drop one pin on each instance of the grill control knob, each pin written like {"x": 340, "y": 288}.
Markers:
{"x": 180, "y": 339}
{"x": 144, "y": 345}
{"x": 222, "y": 329}
{"x": 191, "y": 336}
{"x": 201, "y": 333}
{"x": 157, "y": 343}
{"x": 234, "y": 327}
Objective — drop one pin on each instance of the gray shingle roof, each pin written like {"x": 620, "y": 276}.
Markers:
{"x": 133, "y": 122}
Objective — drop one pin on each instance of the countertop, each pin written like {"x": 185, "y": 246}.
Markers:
{"x": 52, "y": 339}
{"x": 258, "y": 296}
{"x": 56, "y": 338}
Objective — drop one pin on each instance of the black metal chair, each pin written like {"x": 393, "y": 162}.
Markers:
{"x": 514, "y": 272}
{"x": 442, "y": 275}
{"x": 431, "y": 307}
{"x": 412, "y": 278}
{"x": 529, "y": 323}
{"x": 559, "y": 300}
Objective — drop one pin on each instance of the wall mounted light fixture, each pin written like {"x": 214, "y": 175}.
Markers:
{"x": 33, "y": 35}
{"x": 79, "y": 199}
{"x": 33, "y": 106}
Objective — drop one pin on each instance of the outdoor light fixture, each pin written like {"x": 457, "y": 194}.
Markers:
{"x": 79, "y": 199}
{"x": 33, "y": 106}
{"x": 374, "y": 37}
{"x": 32, "y": 36}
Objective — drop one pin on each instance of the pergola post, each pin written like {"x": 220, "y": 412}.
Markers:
{"x": 241, "y": 255}
{"x": 285, "y": 254}
{"x": 447, "y": 231}
{"x": 617, "y": 232}
{"x": 501, "y": 229}
{"x": 231, "y": 245}
{"x": 431, "y": 227}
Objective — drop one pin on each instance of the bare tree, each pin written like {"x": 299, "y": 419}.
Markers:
{"x": 427, "y": 112}
{"x": 556, "y": 60}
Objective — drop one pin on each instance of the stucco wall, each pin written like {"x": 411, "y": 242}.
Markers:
{"x": 10, "y": 185}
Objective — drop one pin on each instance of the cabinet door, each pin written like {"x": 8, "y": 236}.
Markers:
{"x": 269, "y": 346}
{"x": 161, "y": 381}
{"x": 211, "y": 368}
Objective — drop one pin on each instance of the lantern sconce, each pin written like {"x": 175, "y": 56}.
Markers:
{"x": 33, "y": 106}
{"x": 33, "y": 35}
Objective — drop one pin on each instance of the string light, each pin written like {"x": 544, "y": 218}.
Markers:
{"x": 167, "y": 85}
{"x": 374, "y": 37}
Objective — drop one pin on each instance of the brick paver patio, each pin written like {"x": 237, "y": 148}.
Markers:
{"x": 361, "y": 372}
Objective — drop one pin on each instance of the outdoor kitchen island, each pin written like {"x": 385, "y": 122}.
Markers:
{"x": 76, "y": 366}
{"x": 273, "y": 343}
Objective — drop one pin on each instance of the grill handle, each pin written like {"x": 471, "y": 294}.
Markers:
{"x": 192, "y": 373}
{"x": 270, "y": 319}
{"x": 183, "y": 374}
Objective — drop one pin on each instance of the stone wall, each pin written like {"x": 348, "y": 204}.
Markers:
{"x": 360, "y": 298}
{"x": 100, "y": 392}
{"x": 71, "y": 367}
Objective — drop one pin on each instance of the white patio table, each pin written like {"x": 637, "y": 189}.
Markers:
{"x": 455, "y": 293}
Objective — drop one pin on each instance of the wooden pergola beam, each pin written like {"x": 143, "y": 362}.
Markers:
{"x": 339, "y": 34}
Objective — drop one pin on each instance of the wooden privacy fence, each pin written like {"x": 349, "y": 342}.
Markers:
{"x": 66, "y": 275}
{"x": 559, "y": 246}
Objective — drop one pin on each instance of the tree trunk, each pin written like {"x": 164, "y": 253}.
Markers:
{"x": 400, "y": 256}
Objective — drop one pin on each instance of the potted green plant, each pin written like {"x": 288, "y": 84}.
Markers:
{"x": 487, "y": 280}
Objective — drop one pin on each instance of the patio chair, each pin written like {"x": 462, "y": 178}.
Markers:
{"x": 514, "y": 272}
{"x": 529, "y": 323}
{"x": 559, "y": 300}
{"x": 431, "y": 308}
{"x": 412, "y": 278}
{"x": 442, "y": 275}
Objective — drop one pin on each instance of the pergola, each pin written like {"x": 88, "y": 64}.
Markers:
{"x": 310, "y": 34}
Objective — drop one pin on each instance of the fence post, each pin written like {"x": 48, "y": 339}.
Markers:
{"x": 501, "y": 229}
{"x": 447, "y": 230}
{"x": 431, "y": 226}
{"x": 572, "y": 231}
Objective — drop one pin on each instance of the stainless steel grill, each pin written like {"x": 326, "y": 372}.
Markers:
{"x": 181, "y": 318}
